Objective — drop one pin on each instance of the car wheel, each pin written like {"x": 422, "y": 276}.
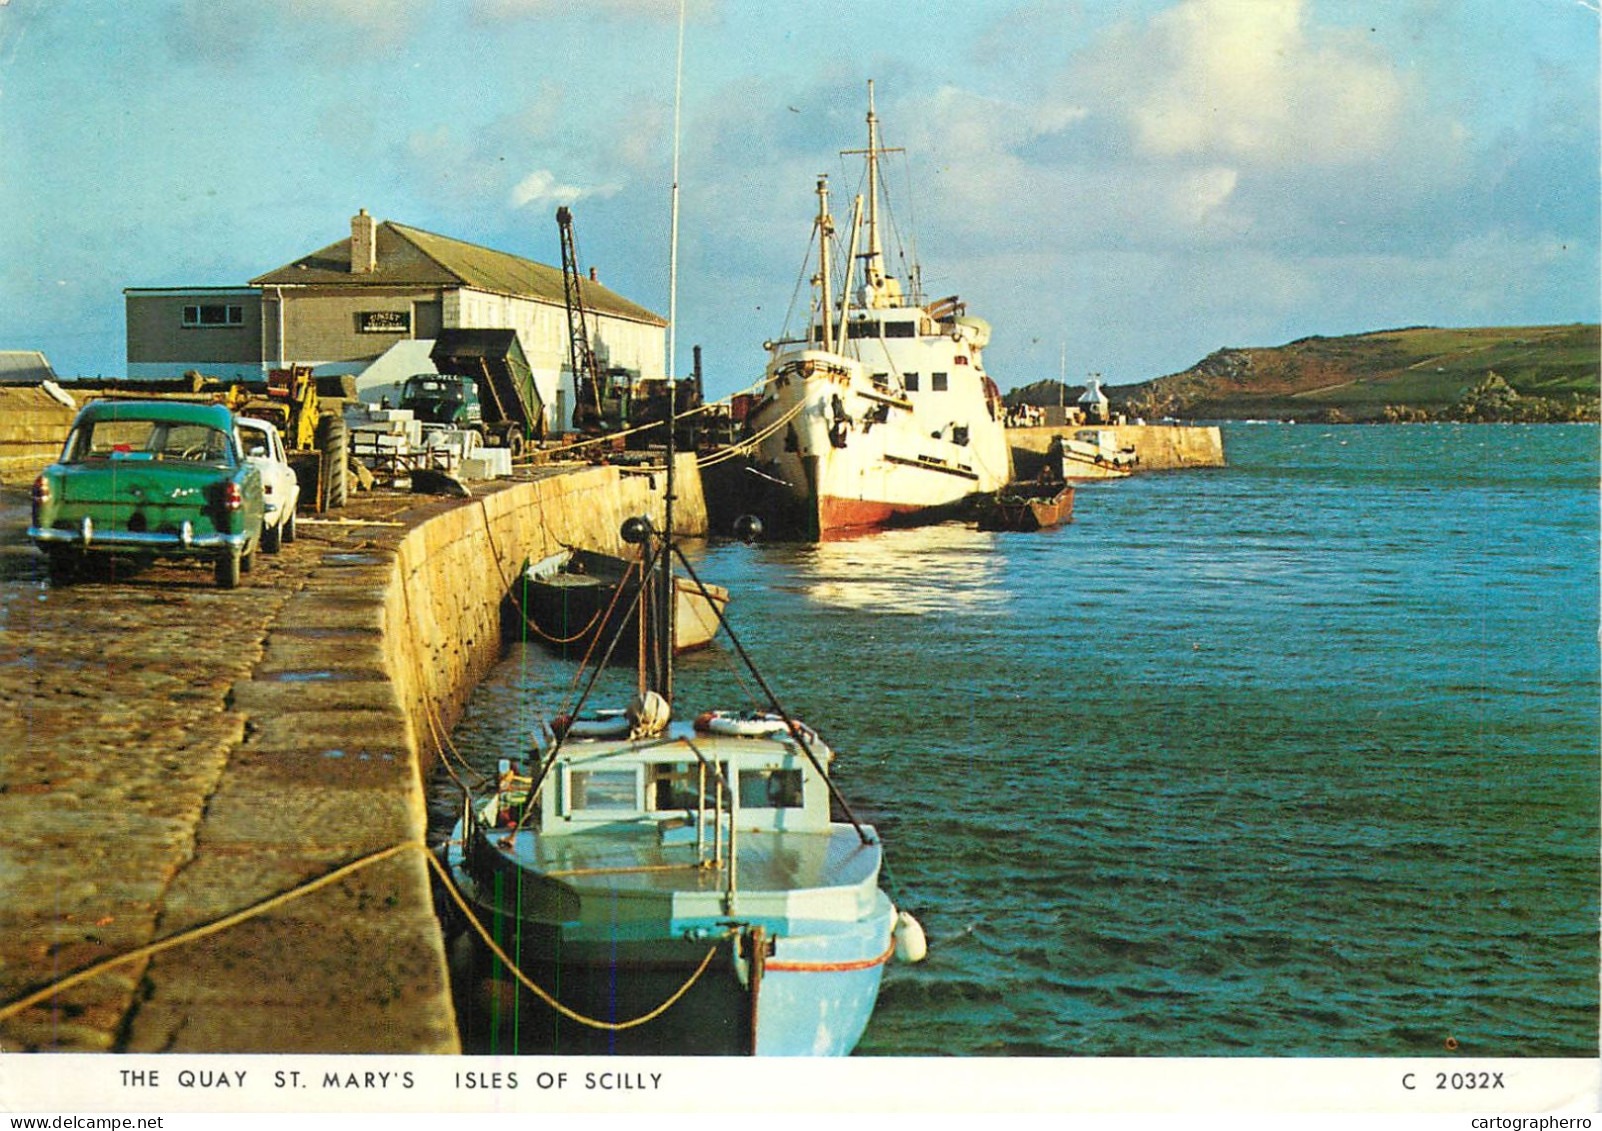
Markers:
{"x": 272, "y": 538}
{"x": 289, "y": 527}
{"x": 228, "y": 570}
{"x": 247, "y": 561}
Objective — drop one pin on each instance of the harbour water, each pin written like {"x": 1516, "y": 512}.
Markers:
{"x": 1297, "y": 757}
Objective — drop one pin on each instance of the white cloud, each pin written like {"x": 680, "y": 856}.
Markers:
{"x": 1252, "y": 80}
{"x": 542, "y": 187}
{"x": 1201, "y": 192}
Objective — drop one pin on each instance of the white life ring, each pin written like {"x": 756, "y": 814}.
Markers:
{"x": 747, "y": 724}
{"x": 605, "y": 723}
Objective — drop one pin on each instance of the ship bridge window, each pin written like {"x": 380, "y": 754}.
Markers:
{"x": 770, "y": 789}
{"x": 604, "y": 789}
{"x": 909, "y": 382}
{"x": 903, "y": 329}
{"x": 862, "y": 330}
{"x": 937, "y": 382}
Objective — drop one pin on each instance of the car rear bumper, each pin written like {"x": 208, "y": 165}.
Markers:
{"x": 86, "y": 537}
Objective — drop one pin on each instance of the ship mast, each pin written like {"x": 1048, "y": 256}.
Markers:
{"x": 878, "y": 289}
{"x": 825, "y": 231}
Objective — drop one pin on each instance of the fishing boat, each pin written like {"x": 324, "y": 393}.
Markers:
{"x": 1028, "y": 506}
{"x": 647, "y": 884}
{"x": 882, "y": 413}
{"x": 576, "y": 597}
{"x": 1092, "y": 453}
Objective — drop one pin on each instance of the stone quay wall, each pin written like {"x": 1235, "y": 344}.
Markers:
{"x": 266, "y": 808}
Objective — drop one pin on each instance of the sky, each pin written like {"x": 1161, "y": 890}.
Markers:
{"x": 1119, "y": 187}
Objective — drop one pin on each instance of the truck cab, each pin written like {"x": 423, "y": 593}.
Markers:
{"x": 436, "y": 398}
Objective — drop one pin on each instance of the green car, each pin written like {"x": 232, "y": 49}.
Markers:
{"x": 150, "y": 479}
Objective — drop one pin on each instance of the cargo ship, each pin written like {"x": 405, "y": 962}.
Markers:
{"x": 883, "y": 413}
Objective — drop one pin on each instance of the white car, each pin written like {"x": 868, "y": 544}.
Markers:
{"x": 280, "y": 490}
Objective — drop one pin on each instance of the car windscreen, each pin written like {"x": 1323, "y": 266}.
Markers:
{"x": 136, "y": 439}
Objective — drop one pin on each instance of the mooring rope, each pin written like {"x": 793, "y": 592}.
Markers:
{"x": 750, "y": 442}
{"x": 20, "y": 1005}
{"x": 549, "y": 999}
{"x": 11, "y": 1009}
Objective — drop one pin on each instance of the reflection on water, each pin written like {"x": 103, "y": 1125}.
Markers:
{"x": 914, "y": 571}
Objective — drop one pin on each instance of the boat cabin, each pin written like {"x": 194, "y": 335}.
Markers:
{"x": 761, "y": 783}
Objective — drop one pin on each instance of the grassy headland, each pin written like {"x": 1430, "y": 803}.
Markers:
{"x": 1529, "y": 373}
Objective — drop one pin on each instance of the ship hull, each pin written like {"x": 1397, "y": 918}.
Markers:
{"x": 839, "y": 454}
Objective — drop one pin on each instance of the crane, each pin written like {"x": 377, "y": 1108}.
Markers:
{"x": 588, "y": 414}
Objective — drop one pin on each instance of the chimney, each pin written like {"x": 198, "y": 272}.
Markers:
{"x": 363, "y": 243}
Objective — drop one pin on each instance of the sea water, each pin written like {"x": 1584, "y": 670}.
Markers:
{"x": 1296, "y": 757}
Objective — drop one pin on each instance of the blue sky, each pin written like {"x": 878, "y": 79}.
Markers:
{"x": 1136, "y": 183}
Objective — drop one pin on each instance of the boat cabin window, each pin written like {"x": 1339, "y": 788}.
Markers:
{"x": 604, "y": 789}
{"x": 937, "y": 382}
{"x": 770, "y": 789}
{"x": 862, "y": 330}
{"x": 909, "y": 382}
{"x": 677, "y": 785}
{"x": 902, "y": 329}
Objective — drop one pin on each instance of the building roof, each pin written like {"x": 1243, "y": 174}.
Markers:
{"x": 25, "y": 365}
{"x": 412, "y": 257}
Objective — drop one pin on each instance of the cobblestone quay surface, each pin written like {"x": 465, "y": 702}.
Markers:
{"x": 172, "y": 753}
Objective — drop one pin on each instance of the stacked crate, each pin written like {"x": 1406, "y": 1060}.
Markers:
{"x": 389, "y": 441}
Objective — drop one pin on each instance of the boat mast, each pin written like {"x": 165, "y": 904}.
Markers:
{"x": 825, "y": 231}
{"x": 875, "y": 264}
{"x": 673, "y": 223}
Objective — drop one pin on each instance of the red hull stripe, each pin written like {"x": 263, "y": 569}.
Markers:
{"x": 833, "y": 967}
{"x": 836, "y": 513}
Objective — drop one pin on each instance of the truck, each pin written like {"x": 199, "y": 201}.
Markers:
{"x": 443, "y": 398}
{"x": 510, "y": 409}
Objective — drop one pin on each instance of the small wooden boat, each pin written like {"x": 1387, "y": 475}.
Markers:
{"x": 576, "y": 596}
{"x": 1028, "y": 506}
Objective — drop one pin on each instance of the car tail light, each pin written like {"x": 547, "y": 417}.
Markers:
{"x": 233, "y": 498}
{"x": 41, "y": 496}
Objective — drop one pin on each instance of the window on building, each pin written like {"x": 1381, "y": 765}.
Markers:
{"x": 213, "y": 315}
{"x": 937, "y": 382}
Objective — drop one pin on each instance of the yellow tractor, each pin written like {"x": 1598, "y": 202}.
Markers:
{"x": 315, "y": 440}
